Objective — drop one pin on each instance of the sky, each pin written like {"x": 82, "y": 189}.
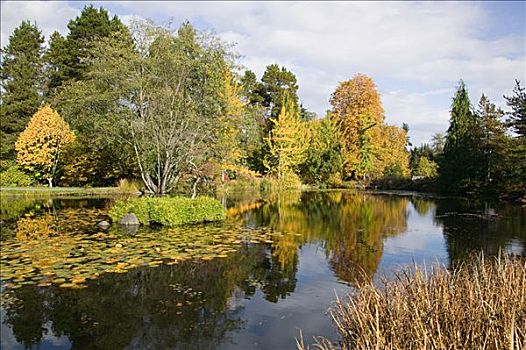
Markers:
{"x": 416, "y": 52}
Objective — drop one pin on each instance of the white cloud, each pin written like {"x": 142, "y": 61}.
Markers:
{"x": 415, "y": 48}
{"x": 49, "y": 16}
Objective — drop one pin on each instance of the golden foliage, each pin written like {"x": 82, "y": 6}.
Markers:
{"x": 41, "y": 144}
{"x": 228, "y": 145}
{"x": 479, "y": 305}
{"x": 393, "y": 157}
{"x": 288, "y": 140}
{"x": 371, "y": 148}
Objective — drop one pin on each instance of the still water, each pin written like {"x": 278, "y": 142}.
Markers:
{"x": 253, "y": 282}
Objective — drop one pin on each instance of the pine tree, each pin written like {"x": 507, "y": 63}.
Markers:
{"x": 517, "y": 122}
{"x": 277, "y": 82}
{"x": 460, "y": 167}
{"x": 517, "y": 102}
{"x": 70, "y": 58}
{"x": 493, "y": 146}
{"x": 21, "y": 74}
{"x": 56, "y": 59}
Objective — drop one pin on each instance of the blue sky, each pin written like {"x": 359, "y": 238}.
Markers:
{"x": 416, "y": 52}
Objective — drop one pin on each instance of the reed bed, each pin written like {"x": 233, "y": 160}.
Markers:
{"x": 478, "y": 305}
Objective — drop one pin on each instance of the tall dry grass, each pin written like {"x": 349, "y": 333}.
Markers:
{"x": 479, "y": 305}
{"x": 129, "y": 186}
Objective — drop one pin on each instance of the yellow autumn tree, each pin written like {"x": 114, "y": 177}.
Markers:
{"x": 288, "y": 141}
{"x": 227, "y": 145}
{"x": 40, "y": 146}
{"x": 370, "y": 148}
{"x": 356, "y": 104}
{"x": 393, "y": 158}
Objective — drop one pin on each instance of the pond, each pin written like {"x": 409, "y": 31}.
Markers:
{"x": 254, "y": 282}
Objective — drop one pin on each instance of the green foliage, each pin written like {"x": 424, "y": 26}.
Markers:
{"x": 12, "y": 176}
{"x": 264, "y": 101}
{"x": 517, "y": 115}
{"x": 21, "y": 74}
{"x": 419, "y": 152}
{"x": 168, "y": 211}
{"x": 426, "y": 168}
{"x": 139, "y": 206}
{"x": 86, "y": 105}
{"x": 278, "y": 83}
{"x": 70, "y": 58}
{"x": 461, "y": 157}
{"x": 168, "y": 90}
{"x": 323, "y": 164}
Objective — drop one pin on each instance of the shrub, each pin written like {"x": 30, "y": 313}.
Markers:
{"x": 12, "y": 176}
{"x": 170, "y": 211}
{"x": 138, "y": 206}
{"x": 478, "y": 305}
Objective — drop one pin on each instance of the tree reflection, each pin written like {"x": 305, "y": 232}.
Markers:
{"x": 474, "y": 227}
{"x": 351, "y": 227}
{"x": 195, "y": 304}
{"x": 190, "y": 305}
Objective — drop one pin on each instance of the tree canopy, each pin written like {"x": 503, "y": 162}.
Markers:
{"x": 40, "y": 146}
{"x": 21, "y": 74}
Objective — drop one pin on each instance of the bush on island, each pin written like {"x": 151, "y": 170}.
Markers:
{"x": 169, "y": 211}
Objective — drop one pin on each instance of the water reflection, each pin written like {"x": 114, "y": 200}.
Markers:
{"x": 261, "y": 293}
{"x": 470, "y": 226}
{"x": 190, "y": 305}
{"x": 350, "y": 227}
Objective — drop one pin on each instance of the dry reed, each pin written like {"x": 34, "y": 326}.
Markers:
{"x": 478, "y": 305}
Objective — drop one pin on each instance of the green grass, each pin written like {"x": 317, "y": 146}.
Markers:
{"x": 59, "y": 191}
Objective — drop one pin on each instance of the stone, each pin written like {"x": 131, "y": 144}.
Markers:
{"x": 103, "y": 224}
{"x": 130, "y": 219}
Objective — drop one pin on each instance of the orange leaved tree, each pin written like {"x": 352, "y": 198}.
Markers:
{"x": 40, "y": 146}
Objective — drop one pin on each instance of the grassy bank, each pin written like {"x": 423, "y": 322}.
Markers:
{"x": 480, "y": 305}
{"x": 61, "y": 191}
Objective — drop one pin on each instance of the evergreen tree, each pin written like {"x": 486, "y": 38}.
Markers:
{"x": 460, "y": 166}
{"x": 493, "y": 144}
{"x": 277, "y": 82}
{"x": 21, "y": 74}
{"x": 417, "y": 153}
{"x": 70, "y": 58}
{"x": 517, "y": 116}
{"x": 252, "y": 89}
{"x": 56, "y": 59}
{"x": 517, "y": 122}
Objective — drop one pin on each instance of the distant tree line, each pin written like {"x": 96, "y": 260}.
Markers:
{"x": 173, "y": 108}
{"x": 483, "y": 150}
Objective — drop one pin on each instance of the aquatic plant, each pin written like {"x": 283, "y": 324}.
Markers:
{"x": 68, "y": 249}
{"x": 479, "y": 305}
